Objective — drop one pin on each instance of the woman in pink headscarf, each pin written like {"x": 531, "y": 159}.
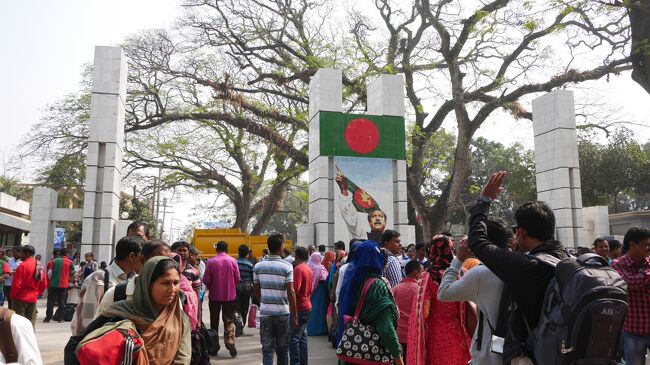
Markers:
{"x": 191, "y": 301}
{"x": 438, "y": 334}
{"x": 317, "y": 325}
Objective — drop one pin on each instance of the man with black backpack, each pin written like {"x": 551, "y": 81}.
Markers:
{"x": 564, "y": 310}
{"x": 524, "y": 275}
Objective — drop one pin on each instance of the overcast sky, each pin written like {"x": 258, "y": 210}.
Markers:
{"x": 46, "y": 42}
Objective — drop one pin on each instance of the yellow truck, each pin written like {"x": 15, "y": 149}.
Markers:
{"x": 205, "y": 239}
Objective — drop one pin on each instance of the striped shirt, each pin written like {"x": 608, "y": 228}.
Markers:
{"x": 273, "y": 274}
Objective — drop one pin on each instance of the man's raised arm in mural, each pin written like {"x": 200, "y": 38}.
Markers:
{"x": 353, "y": 200}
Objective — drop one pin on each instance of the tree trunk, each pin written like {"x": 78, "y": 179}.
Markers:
{"x": 271, "y": 204}
{"x": 640, "y": 27}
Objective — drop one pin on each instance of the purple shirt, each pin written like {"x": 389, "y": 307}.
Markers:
{"x": 221, "y": 277}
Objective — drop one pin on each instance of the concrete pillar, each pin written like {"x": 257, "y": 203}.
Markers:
{"x": 556, "y": 163}
{"x": 105, "y": 149}
{"x": 42, "y": 233}
{"x": 386, "y": 97}
{"x": 325, "y": 94}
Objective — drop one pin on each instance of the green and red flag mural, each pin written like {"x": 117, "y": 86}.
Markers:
{"x": 361, "y": 200}
{"x": 362, "y": 135}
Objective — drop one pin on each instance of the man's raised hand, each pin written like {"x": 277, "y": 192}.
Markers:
{"x": 493, "y": 186}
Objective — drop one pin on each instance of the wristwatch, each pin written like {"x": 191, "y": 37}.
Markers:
{"x": 485, "y": 200}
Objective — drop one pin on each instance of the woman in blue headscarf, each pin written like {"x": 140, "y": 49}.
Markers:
{"x": 379, "y": 309}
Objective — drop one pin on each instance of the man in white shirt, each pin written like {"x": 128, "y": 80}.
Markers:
{"x": 127, "y": 260}
{"x": 149, "y": 250}
{"x": 24, "y": 339}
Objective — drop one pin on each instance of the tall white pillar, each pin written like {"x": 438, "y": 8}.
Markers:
{"x": 325, "y": 94}
{"x": 385, "y": 96}
{"x": 105, "y": 149}
{"x": 42, "y": 231}
{"x": 556, "y": 163}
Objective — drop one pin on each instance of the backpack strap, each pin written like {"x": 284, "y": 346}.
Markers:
{"x": 546, "y": 259}
{"x": 107, "y": 282}
{"x": 7, "y": 345}
{"x": 120, "y": 292}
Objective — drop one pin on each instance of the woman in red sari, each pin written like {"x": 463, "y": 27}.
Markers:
{"x": 437, "y": 332}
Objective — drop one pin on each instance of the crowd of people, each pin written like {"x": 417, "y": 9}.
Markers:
{"x": 481, "y": 299}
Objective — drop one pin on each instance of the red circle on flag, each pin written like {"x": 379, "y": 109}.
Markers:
{"x": 362, "y": 135}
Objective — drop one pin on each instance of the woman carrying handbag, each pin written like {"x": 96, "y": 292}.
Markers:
{"x": 368, "y": 316}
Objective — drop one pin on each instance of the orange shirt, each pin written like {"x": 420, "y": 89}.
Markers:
{"x": 470, "y": 263}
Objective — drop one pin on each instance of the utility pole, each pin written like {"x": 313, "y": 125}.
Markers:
{"x": 157, "y": 194}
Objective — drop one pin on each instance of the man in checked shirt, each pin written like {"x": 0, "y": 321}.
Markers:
{"x": 392, "y": 243}
{"x": 634, "y": 267}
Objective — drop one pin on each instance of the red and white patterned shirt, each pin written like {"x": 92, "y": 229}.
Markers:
{"x": 637, "y": 278}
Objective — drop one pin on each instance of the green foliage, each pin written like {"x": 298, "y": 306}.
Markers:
{"x": 10, "y": 186}
{"x": 67, "y": 177}
{"x": 530, "y": 25}
{"x": 615, "y": 174}
{"x": 138, "y": 210}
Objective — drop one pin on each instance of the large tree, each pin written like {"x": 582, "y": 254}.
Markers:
{"x": 246, "y": 64}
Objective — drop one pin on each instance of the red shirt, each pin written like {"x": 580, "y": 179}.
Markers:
{"x": 404, "y": 294}
{"x": 637, "y": 278}
{"x": 303, "y": 279}
{"x": 24, "y": 287}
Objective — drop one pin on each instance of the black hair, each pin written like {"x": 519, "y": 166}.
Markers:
{"x": 614, "y": 245}
{"x": 221, "y": 246}
{"x": 127, "y": 245}
{"x": 419, "y": 246}
{"x": 194, "y": 250}
{"x": 446, "y": 233}
{"x": 537, "y": 219}
{"x": 387, "y": 235}
{"x": 265, "y": 251}
{"x": 583, "y": 250}
{"x": 322, "y": 248}
{"x": 353, "y": 250}
{"x": 412, "y": 266}
{"x": 89, "y": 254}
{"x": 162, "y": 267}
{"x": 243, "y": 250}
{"x": 102, "y": 264}
{"x": 136, "y": 225}
{"x": 352, "y": 241}
{"x": 377, "y": 210}
{"x": 339, "y": 245}
{"x": 178, "y": 244}
{"x": 274, "y": 242}
{"x": 82, "y": 263}
{"x": 28, "y": 250}
{"x": 302, "y": 253}
{"x": 409, "y": 246}
{"x": 636, "y": 235}
{"x": 498, "y": 231}
{"x": 56, "y": 252}
{"x": 151, "y": 246}
{"x": 598, "y": 240}
{"x": 63, "y": 252}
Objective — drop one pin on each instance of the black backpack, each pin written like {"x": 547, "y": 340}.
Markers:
{"x": 582, "y": 315}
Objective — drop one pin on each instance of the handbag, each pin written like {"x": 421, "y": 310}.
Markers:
{"x": 200, "y": 352}
{"x": 360, "y": 343}
{"x": 252, "y": 316}
{"x": 211, "y": 338}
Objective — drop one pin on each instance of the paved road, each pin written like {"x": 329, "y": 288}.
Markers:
{"x": 53, "y": 336}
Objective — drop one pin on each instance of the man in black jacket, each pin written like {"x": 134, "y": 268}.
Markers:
{"x": 524, "y": 275}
